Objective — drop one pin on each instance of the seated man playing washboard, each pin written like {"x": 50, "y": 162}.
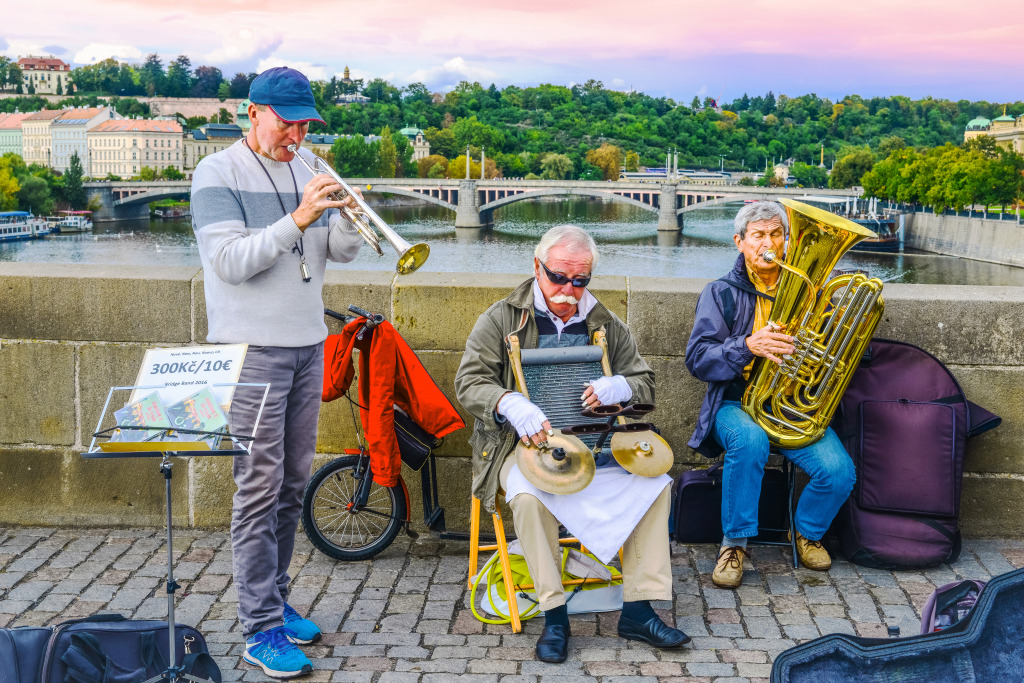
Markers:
{"x": 617, "y": 509}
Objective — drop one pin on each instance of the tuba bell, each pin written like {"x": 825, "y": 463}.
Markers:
{"x": 831, "y": 322}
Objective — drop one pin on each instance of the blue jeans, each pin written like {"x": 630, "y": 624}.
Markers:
{"x": 746, "y": 453}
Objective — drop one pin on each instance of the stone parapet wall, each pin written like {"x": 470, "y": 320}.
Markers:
{"x": 973, "y": 238}
{"x": 68, "y": 333}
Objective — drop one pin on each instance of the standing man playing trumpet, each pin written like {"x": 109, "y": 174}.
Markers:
{"x": 731, "y": 328}
{"x": 554, "y": 309}
{"x": 265, "y": 229}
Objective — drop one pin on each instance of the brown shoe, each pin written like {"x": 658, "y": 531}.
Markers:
{"x": 812, "y": 554}
{"x": 729, "y": 568}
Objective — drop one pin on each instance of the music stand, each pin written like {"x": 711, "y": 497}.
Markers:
{"x": 167, "y": 447}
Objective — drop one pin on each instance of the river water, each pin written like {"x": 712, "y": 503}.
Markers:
{"x": 627, "y": 238}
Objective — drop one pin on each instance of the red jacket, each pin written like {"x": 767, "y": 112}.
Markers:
{"x": 390, "y": 375}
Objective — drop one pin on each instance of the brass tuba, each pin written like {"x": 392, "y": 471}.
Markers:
{"x": 831, "y": 322}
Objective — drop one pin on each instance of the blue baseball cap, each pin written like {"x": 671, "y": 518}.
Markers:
{"x": 287, "y": 93}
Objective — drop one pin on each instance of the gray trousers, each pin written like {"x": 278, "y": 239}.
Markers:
{"x": 268, "y": 503}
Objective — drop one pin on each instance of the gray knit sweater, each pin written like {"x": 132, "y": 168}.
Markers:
{"x": 254, "y": 290}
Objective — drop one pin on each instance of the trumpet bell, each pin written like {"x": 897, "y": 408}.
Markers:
{"x": 565, "y": 466}
{"x": 412, "y": 258}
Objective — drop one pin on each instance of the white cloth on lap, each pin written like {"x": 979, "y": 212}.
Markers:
{"x": 603, "y": 515}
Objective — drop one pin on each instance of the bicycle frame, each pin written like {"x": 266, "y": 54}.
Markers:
{"x": 433, "y": 513}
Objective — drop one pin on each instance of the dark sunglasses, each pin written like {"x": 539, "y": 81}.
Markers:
{"x": 562, "y": 280}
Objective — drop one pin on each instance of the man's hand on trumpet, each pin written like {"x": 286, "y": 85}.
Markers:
{"x": 317, "y": 197}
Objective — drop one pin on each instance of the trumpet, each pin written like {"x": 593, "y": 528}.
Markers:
{"x": 368, "y": 223}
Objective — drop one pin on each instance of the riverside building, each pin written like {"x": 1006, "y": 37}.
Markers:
{"x": 1007, "y": 130}
{"x": 36, "y": 137}
{"x": 122, "y": 147}
{"x": 10, "y": 133}
{"x": 68, "y": 136}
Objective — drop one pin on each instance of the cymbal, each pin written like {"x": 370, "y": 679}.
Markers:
{"x": 565, "y": 466}
{"x": 643, "y": 453}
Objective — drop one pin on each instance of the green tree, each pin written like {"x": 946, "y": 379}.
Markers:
{"x": 387, "y": 155}
{"x": 442, "y": 141}
{"x": 224, "y": 116}
{"x": 888, "y": 145}
{"x": 129, "y": 107}
{"x": 179, "y": 77}
{"x": 9, "y": 187}
{"x": 171, "y": 173}
{"x": 695, "y": 103}
{"x": 470, "y": 132}
{"x": 849, "y": 169}
{"x": 457, "y": 167}
{"x": 632, "y": 161}
{"x": 239, "y": 86}
{"x": 152, "y": 76}
{"x": 74, "y": 193}
{"x": 354, "y": 157}
{"x": 438, "y": 170}
{"x": 60, "y": 87}
{"x": 147, "y": 174}
{"x": 556, "y": 167}
{"x": 223, "y": 91}
{"x": 206, "y": 81}
{"x": 35, "y": 195}
{"x": 809, "y": 176}
{"x": 404, "y": 168}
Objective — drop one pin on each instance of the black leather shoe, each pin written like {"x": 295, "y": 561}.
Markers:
{"x": 553, "y": 644}
{"x": 654, "y": 631}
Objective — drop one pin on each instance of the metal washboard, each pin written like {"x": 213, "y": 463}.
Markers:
{"x": 555, "y": 379}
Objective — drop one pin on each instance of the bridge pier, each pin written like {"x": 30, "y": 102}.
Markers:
{"x": 668, "y": 219}
{"x": 468, "y": 214}
{"x": 108, "y": 211}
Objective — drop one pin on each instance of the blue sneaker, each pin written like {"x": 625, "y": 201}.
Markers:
{"x": 272, "y": 651}
{"x": 300, "y": 631}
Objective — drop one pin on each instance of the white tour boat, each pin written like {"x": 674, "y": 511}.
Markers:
{"x": 21, "y": 225}
{"x": 74, "y": 221}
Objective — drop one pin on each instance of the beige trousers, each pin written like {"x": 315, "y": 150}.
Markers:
{"x": 646, "y": 564}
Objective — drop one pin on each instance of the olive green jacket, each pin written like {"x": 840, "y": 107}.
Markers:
{"x": 485, "y": 375}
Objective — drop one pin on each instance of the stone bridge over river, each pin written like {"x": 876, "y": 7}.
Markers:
{"x": 474, "y": 201}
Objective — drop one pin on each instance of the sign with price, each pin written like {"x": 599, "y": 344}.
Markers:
{"x": 183, "y": 370}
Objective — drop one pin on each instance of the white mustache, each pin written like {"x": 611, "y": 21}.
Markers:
{"x": 564, "y": 299}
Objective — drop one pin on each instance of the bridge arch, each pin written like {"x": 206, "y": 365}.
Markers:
{"x": 721, "y": 200}
{"x": 409, "y": 193}
{"x": 565, "y": 191}
{"x": 152, "y": 196}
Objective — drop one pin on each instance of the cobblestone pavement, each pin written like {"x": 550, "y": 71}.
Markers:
{"x": 404, "y": 616}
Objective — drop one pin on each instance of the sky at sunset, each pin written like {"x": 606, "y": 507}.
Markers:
{"x": 674, "y": 48}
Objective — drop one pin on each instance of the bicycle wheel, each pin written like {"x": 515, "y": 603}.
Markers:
{"x": 338, "y": 531}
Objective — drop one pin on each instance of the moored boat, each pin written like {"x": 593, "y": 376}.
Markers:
{"x": 172, "y": 212}
{"x": 21, "y": 225}
{"x": 74, "y": 221}
{"x": 886, "y": 227}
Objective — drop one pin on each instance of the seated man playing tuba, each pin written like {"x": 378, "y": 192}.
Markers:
{"x": 554, "y": 309}
{"x": 732, "y": 328}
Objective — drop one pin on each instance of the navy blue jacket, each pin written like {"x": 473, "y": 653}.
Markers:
{"x": 717, "y": 351}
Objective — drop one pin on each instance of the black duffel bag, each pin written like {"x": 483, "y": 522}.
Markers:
{"x": 697, "y": 506}
{"x": 104, "y": 648}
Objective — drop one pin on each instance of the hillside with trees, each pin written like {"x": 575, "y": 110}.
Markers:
{"x": 583, "y": 131}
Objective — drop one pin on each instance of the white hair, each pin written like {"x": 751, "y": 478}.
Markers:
{"x": 572, "y": 238}
{"x": 759, "y": 211}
